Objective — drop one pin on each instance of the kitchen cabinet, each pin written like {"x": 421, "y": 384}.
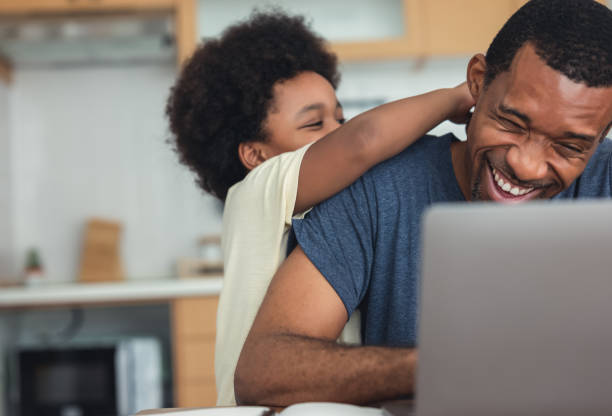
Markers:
{"x": 429, "y": 28}
{"x": 361, "y": 30}
{"x": 436, "y": 28}
{"x": 42, "y": 6}
{"x": 183, "y": 12}
{"x": 193, "y": 310}
{"x": 193, "y": 334}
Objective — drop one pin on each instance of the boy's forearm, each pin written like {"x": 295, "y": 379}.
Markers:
{"x": 283, "y": 369}
{"x": 398, "y": 124}
{"x": 338, "y": 159}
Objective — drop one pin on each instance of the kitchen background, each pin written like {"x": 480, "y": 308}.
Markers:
{"x": 90, "y": 140}
{"x": 83, "y": 134}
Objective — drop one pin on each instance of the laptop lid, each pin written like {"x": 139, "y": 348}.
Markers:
{"x": 516, "y": 310}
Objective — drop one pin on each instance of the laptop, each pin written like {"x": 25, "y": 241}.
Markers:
{"x": 516, "y": 310}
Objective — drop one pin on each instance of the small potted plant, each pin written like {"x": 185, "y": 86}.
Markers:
{"x": 34, "y": 272}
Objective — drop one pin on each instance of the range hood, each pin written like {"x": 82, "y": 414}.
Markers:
{"x": 88, "y": 40}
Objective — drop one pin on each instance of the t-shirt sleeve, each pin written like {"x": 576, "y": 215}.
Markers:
{"x": 338, "y": 237}
{"x": 273, "y": 185}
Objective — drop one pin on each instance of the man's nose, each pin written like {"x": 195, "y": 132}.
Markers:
{"x": 528, "y": 159}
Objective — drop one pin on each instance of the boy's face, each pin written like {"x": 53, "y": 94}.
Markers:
{"x": 304, "y": 109}
{"x": 532, "y": 133}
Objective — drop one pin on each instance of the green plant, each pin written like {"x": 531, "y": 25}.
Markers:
{"x": 33, "y": 262}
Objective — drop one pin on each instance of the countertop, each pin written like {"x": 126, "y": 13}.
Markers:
{"x": 50, "y": 294}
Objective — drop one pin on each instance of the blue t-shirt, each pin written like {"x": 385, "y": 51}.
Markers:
{"x": 366, "y": 239}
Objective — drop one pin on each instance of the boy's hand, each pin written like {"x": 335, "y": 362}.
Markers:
{"x": 462, "y": 104}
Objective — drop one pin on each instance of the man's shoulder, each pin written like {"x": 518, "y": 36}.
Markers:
{"x": 596, "y": 180}
{"x": 600, "y": 163}
{"x": 605, "y": 148}
{"x": 429, "y": 152}
{"x": 425, "y": 162}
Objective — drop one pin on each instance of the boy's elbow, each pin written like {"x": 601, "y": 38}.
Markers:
{"x": 365, "y": 141}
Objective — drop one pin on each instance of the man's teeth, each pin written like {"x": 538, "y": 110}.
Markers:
{"x": 507, "y": 187}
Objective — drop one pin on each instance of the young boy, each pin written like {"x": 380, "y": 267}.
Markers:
{"x": 245, "y": 113}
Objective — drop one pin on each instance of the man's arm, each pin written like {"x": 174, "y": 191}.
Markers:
{"x": 338, "y": 159}
{"x": 291, "y": 355}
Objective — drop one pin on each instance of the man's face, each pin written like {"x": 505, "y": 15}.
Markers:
{"x": 532, "y": 133}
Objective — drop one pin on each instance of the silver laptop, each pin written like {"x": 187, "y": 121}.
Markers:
{"x": 516, "y": 310}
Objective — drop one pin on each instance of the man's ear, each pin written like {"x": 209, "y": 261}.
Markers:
{"x": 476, "y": 75}
{"x": 251, "y": 154}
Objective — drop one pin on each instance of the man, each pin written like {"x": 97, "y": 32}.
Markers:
{"x": 543, "y": 108}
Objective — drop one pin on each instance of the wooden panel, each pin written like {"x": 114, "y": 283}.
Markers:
{"x": 186, "y": 29}
{"x": 64, "y": 6}
{"x": 100, "y": 258}
{"x": 193, "y": 351}
{"x": 405, "y": 46}
{"x": 413, "y": 24}
{"x": 6, "y": 71}
{"x": 194, "y": 360}
{"x": 463, "y": 26}
{"x": 383, "y": 49}
{"x": 194, "y": 316}
{"x": 195, "y": 395}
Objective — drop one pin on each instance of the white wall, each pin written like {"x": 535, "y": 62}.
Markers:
{"x": 6, "y": 258}
{"x": 92, "y": 142}
{"x": 393, "y": 80}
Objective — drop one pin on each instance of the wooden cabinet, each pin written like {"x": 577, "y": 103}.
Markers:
{"x": 193, "y": 334}
{"x": 183, "y": 11}
{"x": 430, "y": 27}
{"x": 435, "y": 28}
{"x": 61, "y": 6}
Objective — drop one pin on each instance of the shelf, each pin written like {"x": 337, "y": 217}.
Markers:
{"x": 80, "y": 294}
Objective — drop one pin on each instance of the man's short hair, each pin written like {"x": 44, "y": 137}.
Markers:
{"x": 573, "y": 37}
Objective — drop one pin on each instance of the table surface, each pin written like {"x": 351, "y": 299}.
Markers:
{"x": 400, "y": 407}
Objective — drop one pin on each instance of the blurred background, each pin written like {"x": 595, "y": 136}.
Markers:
{"x": 83, "y": 136}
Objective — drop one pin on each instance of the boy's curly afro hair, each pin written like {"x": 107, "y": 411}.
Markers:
{"x": 224, "y": 92}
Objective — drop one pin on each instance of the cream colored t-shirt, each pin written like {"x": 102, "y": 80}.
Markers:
{"x": 256, "y": 222}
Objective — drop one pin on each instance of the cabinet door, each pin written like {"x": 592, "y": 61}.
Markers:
{"x": 463, "y": 26}
{"x": 193, "y": 339}
{"x": 61, "y": 6}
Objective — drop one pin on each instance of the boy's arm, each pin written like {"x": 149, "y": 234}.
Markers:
{"x": 337, "y": 160}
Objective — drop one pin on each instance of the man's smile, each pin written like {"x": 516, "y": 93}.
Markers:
{"x": 503, "y": 189}
{"x": 505, "y": 185}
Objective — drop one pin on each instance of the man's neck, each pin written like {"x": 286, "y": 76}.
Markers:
{"x": 459, "y": 158}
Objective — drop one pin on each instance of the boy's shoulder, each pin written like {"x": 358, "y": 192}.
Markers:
{"x": 273, "y": 174}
